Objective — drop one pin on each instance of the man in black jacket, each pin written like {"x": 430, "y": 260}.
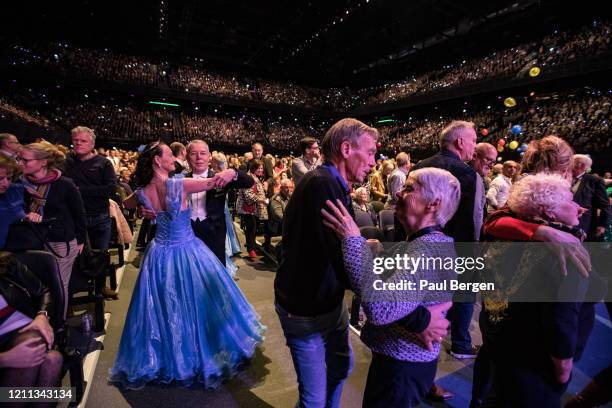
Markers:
{"x": 310, "y": 283}
{"x": 590, "y": 193}
{"x": 457, "y": 145}
{"x": 95, "y": 177}
{"x": 208, "y": 207}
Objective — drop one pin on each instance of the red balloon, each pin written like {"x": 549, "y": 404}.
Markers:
{"x": 501, "y": 142}
{"x": 484, "y": 131}
{"x": 378, "y": 144}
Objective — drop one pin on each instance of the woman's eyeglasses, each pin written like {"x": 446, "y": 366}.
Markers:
{"x": 24, "y": 160}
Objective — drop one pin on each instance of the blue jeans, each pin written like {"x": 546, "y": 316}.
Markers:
{"x": 99, "y": 230}
{"x": 321, "y": 353}
{"x": 460, "y": 316}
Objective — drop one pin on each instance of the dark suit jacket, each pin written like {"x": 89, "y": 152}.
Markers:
{"x": 215, "y": 199}
{"x": 311, "y": 279}
{"x": 462, "y": 226}
{"x": 591, "y": 194}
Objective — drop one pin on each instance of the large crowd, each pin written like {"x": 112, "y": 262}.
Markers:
{"x": 554, "y": 49}
{"x": 557, "y": 48}
{"x": 582, "y": 116}
{"x": 527, "y": 201}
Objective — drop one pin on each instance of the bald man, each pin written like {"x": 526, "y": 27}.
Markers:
{"x": 500, "y": 186}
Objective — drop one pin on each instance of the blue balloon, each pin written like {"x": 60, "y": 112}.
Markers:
{"x": 522, "y": 154}
{"x": 516, "y": 129}
{"x": 524, "y": 146}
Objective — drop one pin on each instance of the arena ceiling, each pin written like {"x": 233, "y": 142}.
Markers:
{"x": 316, "y": 42}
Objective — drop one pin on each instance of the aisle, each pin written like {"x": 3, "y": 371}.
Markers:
{"x": 270, "y": 380}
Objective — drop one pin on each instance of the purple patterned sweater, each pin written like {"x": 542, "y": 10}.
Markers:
{"x": 381, "y": 333}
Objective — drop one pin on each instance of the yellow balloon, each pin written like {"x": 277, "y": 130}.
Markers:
{"x": 509, "y": 102}
{"x": 500, "y": 148}
{"x": 513, "y": 144}
{"x": 534, "y": 72}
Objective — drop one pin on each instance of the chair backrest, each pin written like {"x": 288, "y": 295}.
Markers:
{"x": 386, "y": 219}
{"x": 44, "y": 266}
{"x": 363, "y": 219}
{"x": 387, "y": 223}
{"x": 372, "y": 233}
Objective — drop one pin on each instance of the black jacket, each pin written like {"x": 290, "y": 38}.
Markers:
{"x": 591, "y": 194}
{"x": 64, "y": 211}
{"x": 21, "y": 289}
{"x": 311, "y": 279}
{"x": 96, "y": 181}
{"x": 462, "y": 226}
{"x": 215, "y": 199}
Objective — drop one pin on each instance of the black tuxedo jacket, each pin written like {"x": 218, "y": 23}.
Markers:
{"x": 591, "y": 194}
{"x": 215, "y": 199}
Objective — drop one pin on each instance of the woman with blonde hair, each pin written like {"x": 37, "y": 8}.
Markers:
{"x": 54, "y": 199}
{"x": 550, "y": 154}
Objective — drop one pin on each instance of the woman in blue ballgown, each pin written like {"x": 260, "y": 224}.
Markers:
{"x": 187, "y": 322}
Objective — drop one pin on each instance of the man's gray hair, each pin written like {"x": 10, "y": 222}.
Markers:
{"x": 347, "y": 129}
{"x": 402, "y": 159}
{"x": 437, "y": 184}
{"x": 452, "y": 132}
{"x": 286, "y": 182}
{"x": 193, "y": 142}
{"x": 584, "y": 159}
{"x": 84, "y": 129}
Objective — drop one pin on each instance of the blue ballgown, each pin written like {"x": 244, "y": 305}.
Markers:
{"x": 231, "y": 243}
{"x": 187, "y": 322}
{"x": 231, "y": 239}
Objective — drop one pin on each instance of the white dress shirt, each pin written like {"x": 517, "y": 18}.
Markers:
{"x": 198, "y": 201}
{"x": 498, "y": 192}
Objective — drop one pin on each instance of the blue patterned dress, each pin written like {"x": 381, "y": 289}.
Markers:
{"x": 187, "y": 322}
{"x": 232, "y": 245}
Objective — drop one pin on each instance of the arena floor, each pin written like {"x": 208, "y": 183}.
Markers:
{"x": 270, "y": 380}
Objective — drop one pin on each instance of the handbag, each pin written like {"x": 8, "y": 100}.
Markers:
{"x": 24, "y": 235}
{"x": 92, "y": 262}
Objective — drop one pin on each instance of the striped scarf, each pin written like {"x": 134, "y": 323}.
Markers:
{"x": 39, "y": 190}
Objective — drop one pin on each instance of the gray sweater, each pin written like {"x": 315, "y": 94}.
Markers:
{"x": 381, "y": 333}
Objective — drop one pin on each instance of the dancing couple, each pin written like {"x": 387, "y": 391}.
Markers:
{"x": 187, "y": 322}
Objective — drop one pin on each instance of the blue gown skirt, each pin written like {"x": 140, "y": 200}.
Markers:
{"x": 187, "y": 322}
{"x": 232, "y": 243}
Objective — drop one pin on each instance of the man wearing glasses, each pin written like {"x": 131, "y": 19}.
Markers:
{"x": 308, "y": 161}
{"x": 500, "y": 186}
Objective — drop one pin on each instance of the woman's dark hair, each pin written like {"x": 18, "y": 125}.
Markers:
{"x": 144, "y": 167}
{"x": 254, "y": 165}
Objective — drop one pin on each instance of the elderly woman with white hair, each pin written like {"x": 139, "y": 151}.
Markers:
{"x": 403, "y": 360}
{"x": 364, "y": 211}
{"x": 530, "y": 373}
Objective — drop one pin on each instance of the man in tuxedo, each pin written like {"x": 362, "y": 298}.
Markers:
{"x": 590, "y": 193}
{"x": 207, "y": 207}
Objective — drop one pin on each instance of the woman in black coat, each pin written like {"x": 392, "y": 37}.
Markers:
{"x": 26, "y": 337}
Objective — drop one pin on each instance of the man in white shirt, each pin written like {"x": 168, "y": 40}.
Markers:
{"x": 500, "y": 186}
{"x": 208, "y": 207}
